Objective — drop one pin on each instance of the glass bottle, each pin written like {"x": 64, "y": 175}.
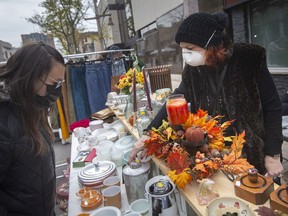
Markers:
{"x": 142, "y": 121}
{"x": 128, "y": 111}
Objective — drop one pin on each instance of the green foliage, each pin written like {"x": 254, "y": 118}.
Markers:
{"x": 63, "y": 20}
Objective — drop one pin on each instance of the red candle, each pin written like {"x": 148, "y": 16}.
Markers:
{"x": 177, "y": 109}
{"x": 134, "y": 92}
{"x": 147, "y": 89}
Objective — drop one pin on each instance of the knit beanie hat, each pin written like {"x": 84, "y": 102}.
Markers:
{"x": 199, "y": 27}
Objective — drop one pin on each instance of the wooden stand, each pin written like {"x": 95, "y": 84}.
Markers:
{"x": 257, "y": 193}
{"x": 279, "y": 199}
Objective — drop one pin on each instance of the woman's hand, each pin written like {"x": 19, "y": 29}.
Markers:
{"x": 273, "y": 166}
{"x": 138, "y": 146}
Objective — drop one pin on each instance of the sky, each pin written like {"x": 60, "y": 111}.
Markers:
{"x": 13, "y": 22}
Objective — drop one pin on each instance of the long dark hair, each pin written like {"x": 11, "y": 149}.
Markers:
{"x": 23, "y": 69}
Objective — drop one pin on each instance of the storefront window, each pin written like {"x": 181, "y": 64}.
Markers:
{"x": 157, "y": 45}
{"x": 269, "y": 28}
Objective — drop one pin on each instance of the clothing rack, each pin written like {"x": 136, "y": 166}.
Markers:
{"x": 79, "y": 55}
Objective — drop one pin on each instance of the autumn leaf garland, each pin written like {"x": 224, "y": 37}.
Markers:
{"x": 164, "y": 143}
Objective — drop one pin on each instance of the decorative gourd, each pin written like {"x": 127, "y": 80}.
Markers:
{"x": 194, "y": 134}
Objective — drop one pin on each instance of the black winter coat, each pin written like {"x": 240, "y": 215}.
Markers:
{"x": 250, "y": 97}
{"x": 27, "y": 181}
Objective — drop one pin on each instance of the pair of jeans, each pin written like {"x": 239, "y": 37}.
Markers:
{"x": 98, "y": 82}
{"x": 79, "y": 91}
{"x": 118, "y": 67}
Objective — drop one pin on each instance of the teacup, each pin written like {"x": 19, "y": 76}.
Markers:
{"x": 140, "y": 206}
{"x": 112, "y": 196}
{"x": 80, "y": 132}
{"x": 111, "y": 181}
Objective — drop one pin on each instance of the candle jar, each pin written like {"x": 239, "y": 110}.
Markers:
{"x": 253, "y": 175}
{"x": 177, "y": 110}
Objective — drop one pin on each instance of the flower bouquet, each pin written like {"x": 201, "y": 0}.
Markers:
{"x": 125, "y": 83}
{"x": 207, "y": 158}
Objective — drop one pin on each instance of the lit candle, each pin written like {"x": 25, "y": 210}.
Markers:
{"x": 134, "y": 92}
{"x": 147, "y": 89}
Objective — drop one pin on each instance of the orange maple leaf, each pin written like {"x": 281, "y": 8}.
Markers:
{"x": 236, "y": 149}
{"x": 180, "y": 179}
{"x": 152, "y": 145}
{"x": 201, "y": 113}
{"x": 240, "y": 165}
{"x": 178, "y": 161}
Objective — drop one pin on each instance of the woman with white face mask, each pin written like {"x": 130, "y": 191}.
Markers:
{"x": 231, "y": 80}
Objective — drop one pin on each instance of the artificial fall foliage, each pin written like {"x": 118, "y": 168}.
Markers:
{"x": 232, "y": 162}
{"x": 165, "y": 143}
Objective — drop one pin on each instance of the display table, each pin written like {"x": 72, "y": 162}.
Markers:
{"x": 74, "y": 206}
{"x": 223, "y": 186}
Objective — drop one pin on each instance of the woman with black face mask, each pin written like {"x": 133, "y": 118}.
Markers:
{"x": 30, "y": 82}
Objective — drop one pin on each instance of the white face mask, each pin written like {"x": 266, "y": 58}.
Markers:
{"x": 193, "y": 58}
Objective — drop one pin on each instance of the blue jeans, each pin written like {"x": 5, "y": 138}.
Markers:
{"x": 79, "y": 91}
{"x": 118, "y": 67}
{"x": 98, "y": 82}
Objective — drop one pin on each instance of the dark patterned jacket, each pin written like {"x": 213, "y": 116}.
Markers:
{"x": 249, "y": 96}
{"x": 27, "y": 181}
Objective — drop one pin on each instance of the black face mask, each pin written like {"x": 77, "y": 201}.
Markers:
{"x": 52, "y": 94}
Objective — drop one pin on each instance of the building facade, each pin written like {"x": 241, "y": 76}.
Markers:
{"x": 37, "y": 37}
{"x": 261, "y": 22}
{"x": 6, "y": 50}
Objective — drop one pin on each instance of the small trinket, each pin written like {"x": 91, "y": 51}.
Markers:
{"x": 253, "y": 175}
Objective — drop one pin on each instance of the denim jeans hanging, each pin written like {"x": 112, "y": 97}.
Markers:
{"x": 98, "y": 82}
{"x": 118, "y": 67}
{"x": 79, "y": 91}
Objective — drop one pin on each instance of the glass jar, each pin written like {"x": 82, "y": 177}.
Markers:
{"x": 177, "y": 109}
{"x": 143, "y": 120}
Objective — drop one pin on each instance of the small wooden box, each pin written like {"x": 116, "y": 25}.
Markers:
{"x": 279, "y": 199}
{"x": 257, "y": 193}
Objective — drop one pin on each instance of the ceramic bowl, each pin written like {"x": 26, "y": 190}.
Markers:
{"x": 140, "y": 206}
{"x": 125, "y": 156}
{"x": 222, "y": 205}
{"x": 107, "y": 210}
{"x": 96, "y": 124}
{"x": 133, "y": 214}
{"x": 82, "y": 191}
{"x": 91, "y": 199}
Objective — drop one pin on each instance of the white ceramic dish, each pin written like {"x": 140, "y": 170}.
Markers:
{"x": 124, "y": 143}
{"x": 104, "y": 133}
{"x": 95, "y": 124}
{"x": 83, "y": 147}
{"x": 117, "y": 125}
{"x": 106, "y": 211}
{"x": 222, "y": 205}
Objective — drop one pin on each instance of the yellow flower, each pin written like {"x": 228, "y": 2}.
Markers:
{"x": 126, "y": 80}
